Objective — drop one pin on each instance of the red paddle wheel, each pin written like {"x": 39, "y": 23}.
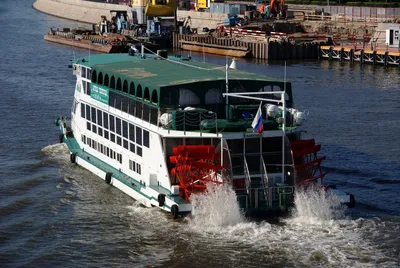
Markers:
{"x": 195, "y": 166}
{"x": 308, "y": 164}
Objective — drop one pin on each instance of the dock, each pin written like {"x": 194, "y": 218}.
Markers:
{"x": 377, "y": 56}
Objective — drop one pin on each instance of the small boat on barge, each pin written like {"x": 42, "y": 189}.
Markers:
{"x": 161, "y": 129}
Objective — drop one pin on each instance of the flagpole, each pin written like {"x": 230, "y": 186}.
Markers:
{"x": 227, "y": 91}
{"x": 283, "y": 123}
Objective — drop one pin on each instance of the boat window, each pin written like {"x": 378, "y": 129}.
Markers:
{"x": 125, "y": 103}
{"x": 106, "y": 80}
{"x": 125, "y": 129}
{"x": 213, "y": 96}
{"x": 146, "y": 138}
{"x": 139, "y": 151}
{"x": 112, "y": 82}
{"x": 106, "y": 134}
{"x": 99, "y": 118}
{"x": 94, "y": 115}
{"x": 88, "y": 112}
{"x": 88, "y": 126}
{"x": 112, "y": 137}
{"x": 132, "y": 132}
{"x": 119, "y": 140}
{"x": 132, "y": 89}
{"x": 88, "y": 88}
{"x": 154, "y": 97}
{"x": 83, "y": 72}
{"x": 82, "y": 110}
{"x": 132, "y": 106}
{"x": 125, "y": 87}
{"x": 118, "y": 126}
{"x": 117, "y": 101}
{"x": 99, "y": 79}
{"x": 94, "y": 128}
{"x": 112, "y": 123}
{"x": 89, "y": 74}
{"x": 188, "y": 97}
{"x": 126, "y": 144}
{"x": 119, "y": 86}
{"x": 100, "y": 131}
{"x": 132, "y": 147}
{"x": 105, "y": 116}
{"x": 146, "y": 94}
{"x": 94, "y": 76}
{"x": 138, "y": 169}
{"x": 139, "y": 91}
{"x": 138, "y": 136}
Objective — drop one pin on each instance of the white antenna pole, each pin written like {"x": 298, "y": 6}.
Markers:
{"x": 142, "y": 48}
{"x": 283, "y": 94}
{"x": 204, "y": 56}
{"x": 227, "y": 90}
{"x": 89, "y": 52}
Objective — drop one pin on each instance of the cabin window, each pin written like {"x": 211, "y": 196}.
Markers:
{"x": 118, "y": 126}
{"x": 94, "y": 128}
{"x": 125, "y": 129}
{"x": 138, "y": 135}
{"x": 89, "y": 74}
{"x": 118, "y": 101}
{"x": 94, "y": 115}
{"x": 139, "y": 151}
{"x": 132, "y": 132}
{"x": 106, "y": 134}
{"x": 132, "y": 147}
{"x": 99, "y": 118}
{"x": 100, "y": 78}
{"x": 154, "y": 97}
{"x": 132, "y": 106}
{"x": 112, "y": 82}
{"x": 94, "y": 76}
{"x": 146, "y": 94}
{"x": 138, "y": 169}
{"x": 99, "y": 131}
{"x": 112, "y": 137}
{"x": 119, "y": 86}
{"x": 139, "y": 91}
{"x": 146, "y": 138}
{"x": 132, "y": 165}
{"x": 188, "y": 97}
{"x": 213, "y": 96}
{"x": 126, "y": 144}
{"x": 88, "y": 112}
{"x": 105, "y": 121}
{"x": 125, "y": 87}
{"x": 88, "y": 126}
{"x": 119, "y": 140}
{"x": 106, "y": 82}
{"x": 132, "y": 89}
{"x": 83, "y": 72}
{"x": 125, "y": 103}
{"x": 82, "y": 110}
{"x": 112, "y": 123}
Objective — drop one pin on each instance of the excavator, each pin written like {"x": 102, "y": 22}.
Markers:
{"x": 161, "y": 8}
{"x": 276, "y": 8}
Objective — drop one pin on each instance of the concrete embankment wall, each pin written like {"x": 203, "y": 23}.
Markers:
{"x": 90, "y": 12}
{"x": 77, "y": 10}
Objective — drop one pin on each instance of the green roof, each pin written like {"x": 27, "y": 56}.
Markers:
{"x": 157, "y": 73}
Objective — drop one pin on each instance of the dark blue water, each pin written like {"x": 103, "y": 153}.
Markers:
{"x": 57, "y": 215}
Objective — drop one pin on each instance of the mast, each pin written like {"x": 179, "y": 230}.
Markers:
{"x": 283, "y": 123}
{"x": 226, "y": 91}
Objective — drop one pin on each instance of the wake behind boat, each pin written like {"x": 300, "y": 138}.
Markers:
{"x": 161, "y": 129}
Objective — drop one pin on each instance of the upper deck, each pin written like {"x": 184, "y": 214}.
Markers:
{"x": 189, "y": 93}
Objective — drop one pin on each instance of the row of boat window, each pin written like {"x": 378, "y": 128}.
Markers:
{"x": 115, "y": 129}
{"x": 102, "y": 148}
{"x": 135, "y": 167}
{"x": 125, "y": 86}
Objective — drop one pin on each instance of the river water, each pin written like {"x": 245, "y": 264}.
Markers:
{"x": 57, "y": 215}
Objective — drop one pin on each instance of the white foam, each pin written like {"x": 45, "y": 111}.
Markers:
{"x": 56, "y": 152}
{"x": 217, "y": 207}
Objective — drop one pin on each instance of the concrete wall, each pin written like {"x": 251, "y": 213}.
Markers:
{"x": 202, "y": 19}
{"x": 90, "y": 12}
{"x": 77, "y": 10}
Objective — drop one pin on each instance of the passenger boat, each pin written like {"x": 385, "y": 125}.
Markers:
{"x": 162, "y": 129}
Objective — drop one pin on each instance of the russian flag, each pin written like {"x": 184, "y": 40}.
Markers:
{"x": 258, "y": 121}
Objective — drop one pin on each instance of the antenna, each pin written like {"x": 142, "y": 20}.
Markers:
{"x": 283, "y": 98}
{"x": 89, "y": 52}
{"x": 227, "y": 89}
{"x": 204, "y": 56}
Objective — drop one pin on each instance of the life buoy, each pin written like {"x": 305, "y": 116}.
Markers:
{"x": 61, "y": 138}
{"x": 161, "y": 200}
{"x": 73, "y": 158}
{"x": 175, "y": 211}
{"x": 108, "y": 177}
{"x": 113, "y": 43}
